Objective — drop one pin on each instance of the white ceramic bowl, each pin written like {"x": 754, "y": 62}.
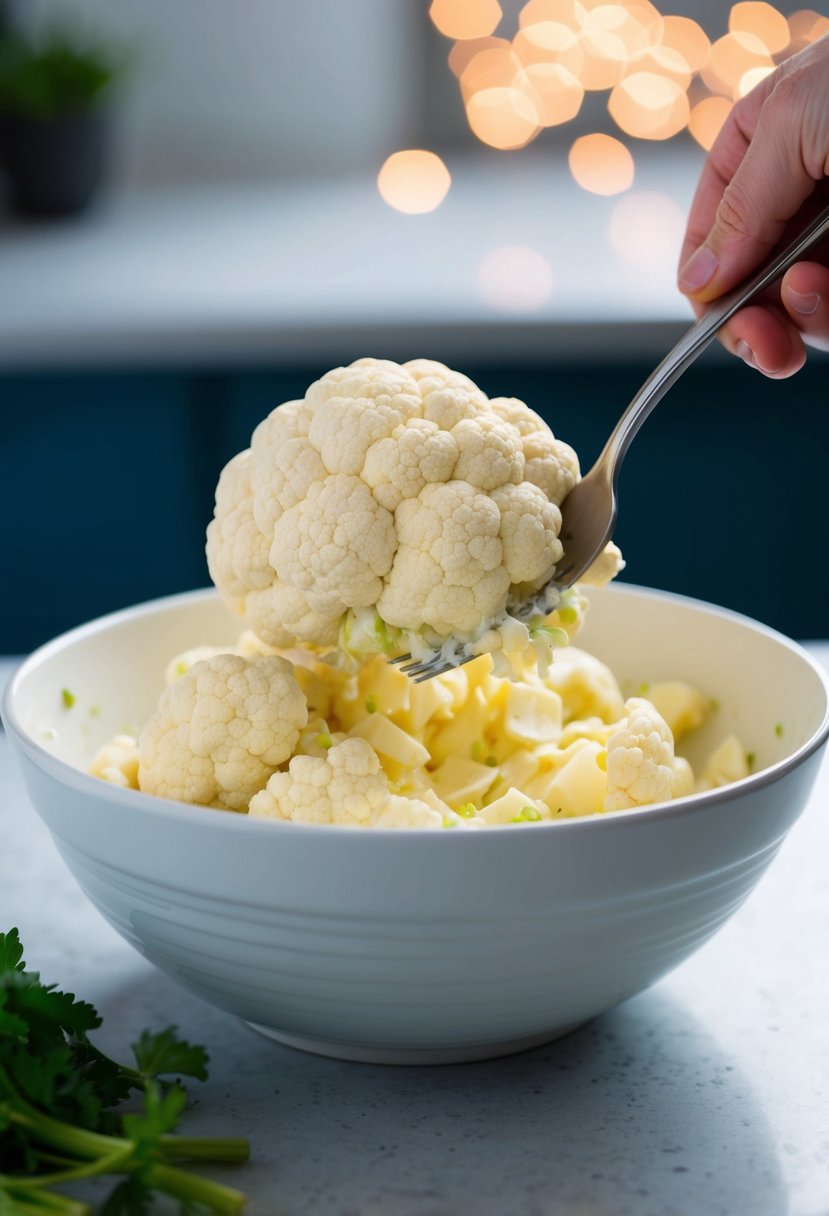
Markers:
{"x": 408, "y": 947}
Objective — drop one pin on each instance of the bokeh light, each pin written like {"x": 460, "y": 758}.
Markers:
{"x": 550, "y": 42}
{"x": 805, "y": 27}
{"x": 463, "y": 53}
{"x": 706, "y": 119}
{"x": 494, "y": 68}
{"x": 605, "y": 60}
{"x": 688, "y": 38}
{"x": 751, "y": 79}
{"x": 730, "y": 58}
{"x": 465, "y": 18}
{"x": 663, "y": 73}
{"x": 414, "y": 181}
{"x": 649, "y": 106}
{"x": 763, "y": 21}
{"x": 646, "y": 229}
{"x": 503, "y": 117}
{"x": 601, "y": 164}
{"x": 556, "y": 91}
{"x": 516, "y": 278}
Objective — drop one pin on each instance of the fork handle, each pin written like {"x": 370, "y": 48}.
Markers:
{"x": 695, "y": 340}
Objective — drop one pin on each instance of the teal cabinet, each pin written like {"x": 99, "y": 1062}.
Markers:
{"x": 106, "y": 483}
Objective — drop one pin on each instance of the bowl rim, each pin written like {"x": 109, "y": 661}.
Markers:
{"x": 136, "y": 802}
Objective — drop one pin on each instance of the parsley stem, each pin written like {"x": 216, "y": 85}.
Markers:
{"x": 79, "y": 1141}
{"x": 41, "y": 1203}
{"x": 205, "y": 1148}
{"x": 223, "y": 1200}
{"x": 110, "y": 1164}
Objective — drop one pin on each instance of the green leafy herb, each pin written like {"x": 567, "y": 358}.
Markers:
{"x": 467, "y": 811}
{"x": 325, "y": 740}
{"x": 778, "y": 730}
{"x": 527, "y": 814}
{"x": 491, "y": 762}
{"x": 371, "y": 705}
{"x": 68, "y": 697}
{"x": 751, "y": 758}
{"x": 59, "y": 1116}
{"x": 644, "y": 689}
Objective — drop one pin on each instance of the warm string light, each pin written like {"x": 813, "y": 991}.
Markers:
{"x": 414, "y": 181}
{"x": 662, "y": 72}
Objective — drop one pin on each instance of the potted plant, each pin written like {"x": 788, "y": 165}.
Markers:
{"x": 54, "y": 122}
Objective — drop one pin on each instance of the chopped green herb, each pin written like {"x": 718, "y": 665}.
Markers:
{"x": 567, "y": 615}
{"x": 181, "y": 668}
{"x": 371, "y": 705}
{"x": 527, "y": 814}
{"x": 491, "y": 762}
{"x": 450, "y": 822}
{"x": 59, "y": 1116}
{"x": 644, "y": 689}
{"x": 778, "y": 730}
{"x": 325, "y": 741}
{"x": 751, "y": 758}
{"x": 68, "y": 697}
{"x": 467, "y": 811}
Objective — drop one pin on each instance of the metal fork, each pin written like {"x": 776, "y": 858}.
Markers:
{"x": 588, "y": 513}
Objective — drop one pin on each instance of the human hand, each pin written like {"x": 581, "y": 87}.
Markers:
{"x": 765, "y": 177}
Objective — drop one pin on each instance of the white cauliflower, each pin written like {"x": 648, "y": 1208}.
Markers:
{"x": 220, "y": 731}
{"x": 640, "y": 759}
{"x": 346, "y": 786}
{"x": 393, "y": 497}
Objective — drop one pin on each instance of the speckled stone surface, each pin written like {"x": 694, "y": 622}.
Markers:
{"x": 708, "y": 1095}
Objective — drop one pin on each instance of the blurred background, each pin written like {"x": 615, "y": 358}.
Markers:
{"x": 204, "y": 206}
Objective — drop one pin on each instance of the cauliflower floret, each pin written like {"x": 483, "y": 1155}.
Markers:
{"x": 346, "y": 787}
{"x": 401, "y": 812}
{"x": 394, "y": 490}
{"x": 117, "y": 762}
{"x": 640, "y": 759}
{"x": 220, "y": 731}
{"x": 182, "y": 663}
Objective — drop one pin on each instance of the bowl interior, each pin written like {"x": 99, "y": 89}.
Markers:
{"x": 767, "y": 690}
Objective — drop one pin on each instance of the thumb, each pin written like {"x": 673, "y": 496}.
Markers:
{"x": 767, "y": 189}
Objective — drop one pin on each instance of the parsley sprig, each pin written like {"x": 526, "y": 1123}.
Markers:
{"x": 60, "y": 1116}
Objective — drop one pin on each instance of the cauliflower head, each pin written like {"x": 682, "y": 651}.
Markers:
{"x": 391, "y": 498}
{"x": 641, "y": 766}
{"x": 220, "y": 731}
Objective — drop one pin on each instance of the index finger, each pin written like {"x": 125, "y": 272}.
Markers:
{"x": 721, "y": 164}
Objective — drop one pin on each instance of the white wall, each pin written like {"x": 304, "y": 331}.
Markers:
{"x": 257, "y": 88}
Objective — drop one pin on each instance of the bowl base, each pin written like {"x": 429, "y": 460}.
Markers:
{"x": 360, "y": 1054}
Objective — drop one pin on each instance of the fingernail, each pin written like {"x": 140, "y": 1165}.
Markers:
{"x": 746, "y": 354}
{"x": 698, "y": 270}
{"x": 805, "y": 303}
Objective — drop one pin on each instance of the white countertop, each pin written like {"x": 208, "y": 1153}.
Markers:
{"x": 202, "y": 274}
{"x": 708, "y": 1095}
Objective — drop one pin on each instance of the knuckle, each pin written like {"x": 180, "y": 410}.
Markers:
{"x": 735, "y": 215}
